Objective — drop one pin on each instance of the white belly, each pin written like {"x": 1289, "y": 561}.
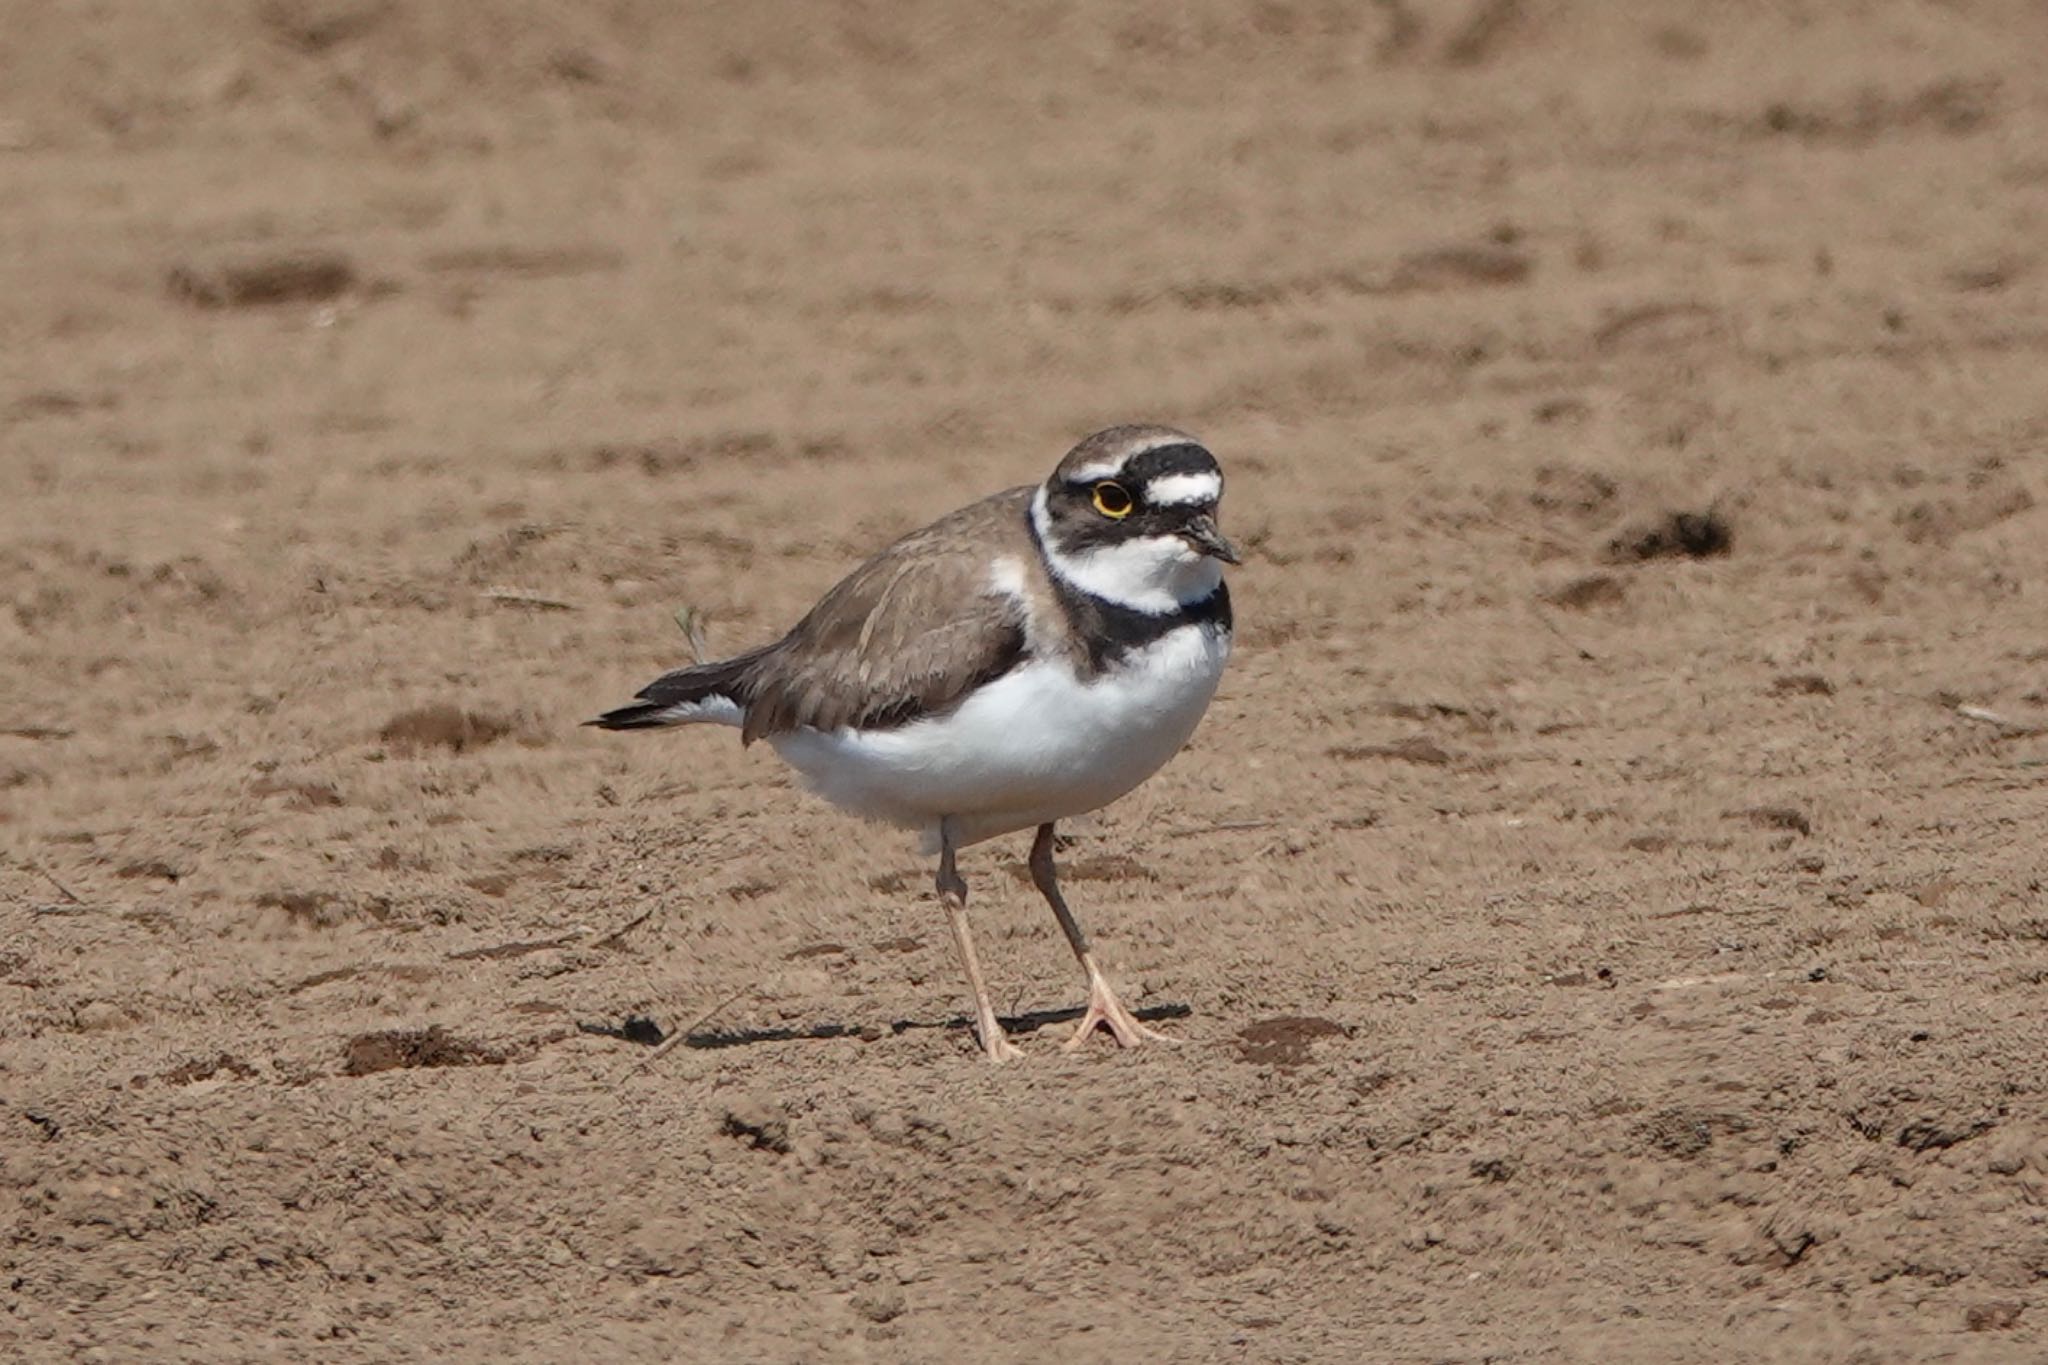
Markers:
{"x": 1037, "y": 744}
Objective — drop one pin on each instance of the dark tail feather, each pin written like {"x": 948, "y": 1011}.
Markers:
{"x": 644, "y": 715}
{"x": 666, "y": 700}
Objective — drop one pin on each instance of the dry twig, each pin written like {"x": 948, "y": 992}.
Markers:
{"x": 72, "y": 896}
{"x": 523, "y": 597}
{"x": 692, "y": 622}
{"x": 668, "y": 1043}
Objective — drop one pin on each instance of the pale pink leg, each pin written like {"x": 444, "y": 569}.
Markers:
{"x": 1104, "y": 1009}
{"x": 953, "y": 894}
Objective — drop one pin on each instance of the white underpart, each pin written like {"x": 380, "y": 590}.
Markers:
{"x": 1179, "y": 489}
{"x": 713, "y": 710}
{"x": 1155, "y": 574}
{"x": 1037, "y": 744}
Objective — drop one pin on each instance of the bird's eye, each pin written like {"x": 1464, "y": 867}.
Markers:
{"x": 1113, "y": 500}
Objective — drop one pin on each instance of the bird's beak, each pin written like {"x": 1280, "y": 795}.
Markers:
{"x": 1201, "y": 533}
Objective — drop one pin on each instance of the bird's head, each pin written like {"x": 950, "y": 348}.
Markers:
{"x": 1130, "y": 516}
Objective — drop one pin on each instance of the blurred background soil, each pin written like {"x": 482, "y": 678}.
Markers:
{"x": 1603, "y": 909}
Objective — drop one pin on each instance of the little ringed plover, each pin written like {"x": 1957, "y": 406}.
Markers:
{"x": 1026, "y": 659}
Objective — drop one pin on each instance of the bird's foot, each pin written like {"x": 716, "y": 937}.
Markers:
{"x": 997, "y": 1045}
{"x": 1106, "y": 1011}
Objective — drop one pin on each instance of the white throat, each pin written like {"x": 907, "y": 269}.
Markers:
{"x": 1153, "y": 574}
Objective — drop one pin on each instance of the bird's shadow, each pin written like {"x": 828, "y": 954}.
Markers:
{"x": 642, "y": 1030}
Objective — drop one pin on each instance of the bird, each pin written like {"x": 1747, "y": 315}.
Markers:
{"x": 1026, "y": 659}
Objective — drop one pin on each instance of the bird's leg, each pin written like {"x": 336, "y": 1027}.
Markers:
{"x": 953, "y": 895}
{"x": 1104, "y": 1009}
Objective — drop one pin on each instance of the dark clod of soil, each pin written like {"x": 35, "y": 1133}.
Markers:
{"x": 304, "y": 907}
{"x": 442, "y": 726}
{"x": 1285, "y": 1039}
{"x": 1933, "y": 1135}
{"x": 307, "y": 278}
{"x": 37, "y": 731}
{"x": 393, "y": 1049}
{"x": 1495, "y": 1170}
{"x": 1593, "y": 590}
{"x": 302, "y": 795}
{"x": 1998, "y": 1315}
{"x": 1776, "y": 817}
{"x": 759, "y": 1125}
{"x": 634, "y": 1028}
{"x": 880, "y": 1305}
{"x": 1462, "y": 266}
{"x": 206, "y": 1068}
{"x": 1801, "y": 685}
{"x": 1675, "y": 535}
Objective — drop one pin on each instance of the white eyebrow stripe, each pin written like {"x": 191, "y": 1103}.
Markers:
{"x": 1114, "y": 468}
{"x": 1183, "y": 488}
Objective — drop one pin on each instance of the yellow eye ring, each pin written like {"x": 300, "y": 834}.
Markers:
{"x": 1113, "y": 500}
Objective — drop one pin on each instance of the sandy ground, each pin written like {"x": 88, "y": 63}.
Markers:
{"x": 1603, "y": 911}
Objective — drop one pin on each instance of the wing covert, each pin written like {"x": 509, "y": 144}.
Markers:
{"x": 905, "y": 635}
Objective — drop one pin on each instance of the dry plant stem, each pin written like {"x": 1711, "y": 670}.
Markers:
{"x": 48, "y": 876}
{"x": 522, "y": 597}
{"x": 669, "y": 1043}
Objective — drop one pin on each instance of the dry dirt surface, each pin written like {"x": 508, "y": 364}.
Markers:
{"x": 1603, "y": 912}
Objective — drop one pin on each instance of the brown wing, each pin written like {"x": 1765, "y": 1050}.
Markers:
{"x": 905, "y": 635}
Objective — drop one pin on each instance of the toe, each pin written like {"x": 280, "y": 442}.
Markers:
{"x": 1084, "y": 1030}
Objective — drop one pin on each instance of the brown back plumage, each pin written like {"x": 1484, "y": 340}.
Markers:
{"x": 907, "y": 634}
{"x": 916, "y": 628}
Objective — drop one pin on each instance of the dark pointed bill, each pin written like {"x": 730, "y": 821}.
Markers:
{"x": 1201, "y": 533}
